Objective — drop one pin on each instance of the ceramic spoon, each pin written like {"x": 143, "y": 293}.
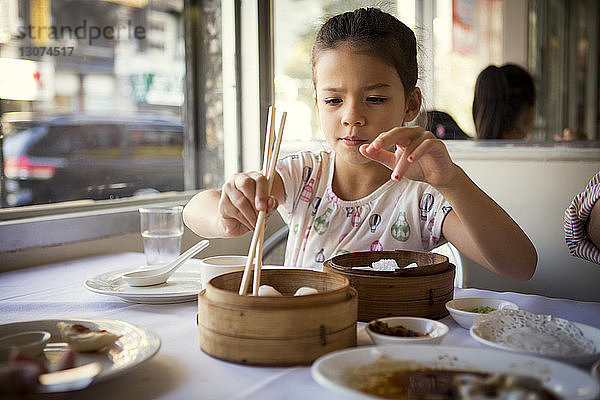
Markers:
{"x": 156, "y": 276}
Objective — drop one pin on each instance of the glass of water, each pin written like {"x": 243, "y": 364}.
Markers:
{"x": 162, "y": 229}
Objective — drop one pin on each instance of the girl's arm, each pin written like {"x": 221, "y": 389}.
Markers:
{"x": 477, "y": 226}
{"x": 484, "y": 232}
{"x": 233, "y": 210}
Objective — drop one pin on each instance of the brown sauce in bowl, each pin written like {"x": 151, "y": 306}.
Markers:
{"x": 398, "y": 330}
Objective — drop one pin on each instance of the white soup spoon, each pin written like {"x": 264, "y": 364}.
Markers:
{"x": 156, "y": 276}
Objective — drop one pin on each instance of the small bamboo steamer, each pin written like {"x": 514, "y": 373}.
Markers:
{"x": 419, "y": 292}
{"x": 277, "y": 331}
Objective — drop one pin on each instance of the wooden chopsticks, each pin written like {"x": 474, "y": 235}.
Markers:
{"x": 268, "y": 169}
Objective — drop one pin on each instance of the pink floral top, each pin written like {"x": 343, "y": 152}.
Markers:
{"x": 397, "y": 215}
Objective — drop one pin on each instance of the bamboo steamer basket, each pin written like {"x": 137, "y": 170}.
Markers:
{"x": 416, "y": 292}
{"x": 277, "y": 331}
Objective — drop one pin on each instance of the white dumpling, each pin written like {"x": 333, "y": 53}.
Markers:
{"x": 266, "y": 290}
{"x": 305, "y": 290}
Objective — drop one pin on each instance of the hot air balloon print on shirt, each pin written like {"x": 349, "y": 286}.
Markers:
{"x": 374, "y": 221}
{"x": 322, "y": 222}
{"x": 306, "y": 171}
{"x": 401, "y": 229}
{"x": 376, "y": 246}
{"x": 320, "y": 257}
{"x": 315, "y": 205}
{"x": 425, "y": 205}
{"x": 356, "y": 217}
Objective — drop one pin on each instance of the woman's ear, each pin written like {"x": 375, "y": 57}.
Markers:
{"x": 413, "y": 105}
{"x": 316, "y": 103}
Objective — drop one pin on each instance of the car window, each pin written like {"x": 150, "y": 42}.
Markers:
{"x": 78, "y": 141}
{"x": 152, "y": 142}
{"x": 17, "y": 143}
{"x": 99, "y": 141}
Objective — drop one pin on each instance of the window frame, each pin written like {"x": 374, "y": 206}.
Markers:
{"x": 37, "y": 226}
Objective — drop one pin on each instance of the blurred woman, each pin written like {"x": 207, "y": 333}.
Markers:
{"x": 503, "y": 103}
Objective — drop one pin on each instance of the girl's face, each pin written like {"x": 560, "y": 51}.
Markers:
{"x": 358, "y": 96}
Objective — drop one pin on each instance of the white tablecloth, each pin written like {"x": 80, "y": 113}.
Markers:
{"x": 181, "y": 370}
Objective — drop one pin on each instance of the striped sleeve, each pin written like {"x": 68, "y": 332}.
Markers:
{"x": 576, "y": 217}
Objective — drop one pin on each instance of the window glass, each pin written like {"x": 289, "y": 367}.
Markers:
{"x": 564, "y": 57}
{"x": 467, "y": 36}
{"x": 457, "y": 40}
{"x": 148, "y": 143}
{"x": 103, "y": 84}
{"x": 78, "y": 140}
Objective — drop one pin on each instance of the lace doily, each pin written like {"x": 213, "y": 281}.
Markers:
{"x": 537, "y": 333}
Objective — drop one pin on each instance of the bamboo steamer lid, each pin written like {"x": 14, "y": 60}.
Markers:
{"x": 277, "y": 331}
{"x": 415, "y": 292}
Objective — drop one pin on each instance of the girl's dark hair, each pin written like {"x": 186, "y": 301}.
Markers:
{"x": 376, "y": 33}
{"x": 501, "y": 96}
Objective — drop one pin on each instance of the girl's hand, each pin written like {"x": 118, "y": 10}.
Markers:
{"x": 419, "y": 155}
{"x": 242, "y": 197}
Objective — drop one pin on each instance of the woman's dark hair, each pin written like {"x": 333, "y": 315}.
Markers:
{"x": 376, "y": 33}
{"x": 501, "y": 96}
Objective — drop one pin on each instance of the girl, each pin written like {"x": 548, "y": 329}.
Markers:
{"x": 503, "y": 103}
{"x": 364, "y": 73}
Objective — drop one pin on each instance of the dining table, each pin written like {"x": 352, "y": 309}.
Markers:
{"x": 180, "y": 369}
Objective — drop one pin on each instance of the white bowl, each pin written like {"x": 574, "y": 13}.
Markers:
{"x": 459, "y": 308}
{"x": 434, "y": 331}
{"x": 211, "y": 267}
{"x": 30, "y": 343}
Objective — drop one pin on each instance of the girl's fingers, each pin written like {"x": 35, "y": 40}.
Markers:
{"x": 272, "y": 205}
{"x": 235, "y": 223}
{"x": 400, "y": 136}
{"x": 425, "y": 147}
{"x": 254, "y": 186}
{"x": 234, "y": 205}
{"x": 241, "y": 200}
{"x": 244, "y": 187}
{"x": 380, "y": 155}
{"x": 407, "y": 157}
{"x": 262, "y": 187}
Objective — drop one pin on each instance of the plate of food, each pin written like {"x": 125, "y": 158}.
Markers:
{"x": 375, "y": 372}
{"x": 538, "y": 334}
{"x": 116, "y": 345}
{"x": 184, "y": 285}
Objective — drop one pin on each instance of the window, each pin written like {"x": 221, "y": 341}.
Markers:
{"x": 92, "y": 109}
{"x": 564, "y": 57}
{"x": 556, "y": 40}
{"x": 103, "y": 82}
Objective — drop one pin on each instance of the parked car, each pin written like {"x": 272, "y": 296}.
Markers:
{"x": 83, "y": 156}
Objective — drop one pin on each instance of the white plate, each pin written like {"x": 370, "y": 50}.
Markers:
{"x": 182, "y": 286}
{"x": 135, "y": 346}
{"x": 331, "y": 370}
{"x": 536, "y": 338}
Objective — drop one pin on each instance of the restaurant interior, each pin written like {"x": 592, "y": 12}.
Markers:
{"x": 111, "y": 106}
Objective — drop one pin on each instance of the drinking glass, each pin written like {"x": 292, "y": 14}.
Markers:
{"x": 162, "y": 229}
